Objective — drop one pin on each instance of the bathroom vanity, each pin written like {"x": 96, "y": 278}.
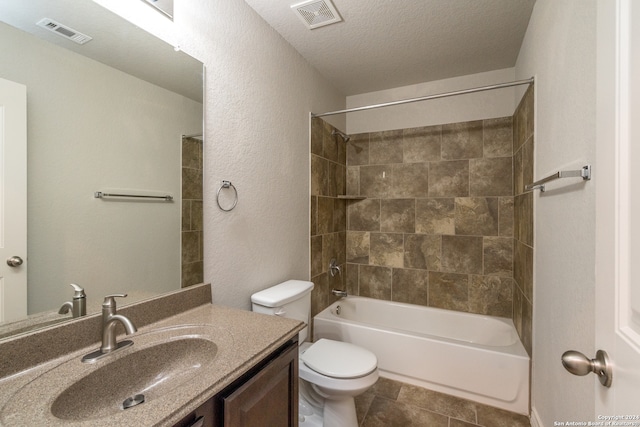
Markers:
{"x": 267, "y": 395}
{"x": 197, "y": 364}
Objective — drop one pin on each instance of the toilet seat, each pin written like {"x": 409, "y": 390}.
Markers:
{"x": 340, "y": 360}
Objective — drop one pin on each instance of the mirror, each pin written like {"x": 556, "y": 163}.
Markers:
{"x": 107, "y": 115}
{"x": 163, "y": 6}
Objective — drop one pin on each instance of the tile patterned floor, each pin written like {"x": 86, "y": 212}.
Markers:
{"x": 395, "y": 404}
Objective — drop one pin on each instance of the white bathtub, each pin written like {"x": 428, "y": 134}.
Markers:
{"x": 472, "y": 356}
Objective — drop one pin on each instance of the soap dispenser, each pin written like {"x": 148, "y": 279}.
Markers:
{"x": 78, "y": 305}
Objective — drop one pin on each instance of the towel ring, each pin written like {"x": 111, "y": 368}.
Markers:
{"x": 227, "y": 184}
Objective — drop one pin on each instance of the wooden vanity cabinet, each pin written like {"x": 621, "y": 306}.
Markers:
{"x": 266, "y": 396}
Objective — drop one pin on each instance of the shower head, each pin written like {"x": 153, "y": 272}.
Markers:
{"x": 343, "y": 135}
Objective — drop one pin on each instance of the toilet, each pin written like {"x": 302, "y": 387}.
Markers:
{"x": 331, "y": 372}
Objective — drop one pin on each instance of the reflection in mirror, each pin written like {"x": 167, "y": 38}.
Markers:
{"x": 163, "y": 6}
{"x": 109, "y": 115}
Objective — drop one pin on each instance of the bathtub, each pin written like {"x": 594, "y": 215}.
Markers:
{"x": 471, "y": 356}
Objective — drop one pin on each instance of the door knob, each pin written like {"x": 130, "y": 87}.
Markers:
{"x": 14, "y": 261}
{"x": 579, "y": 364}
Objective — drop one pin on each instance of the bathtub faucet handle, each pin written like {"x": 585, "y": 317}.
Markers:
{"x": 339, "y": 293}
{"x": 334, "y": 268}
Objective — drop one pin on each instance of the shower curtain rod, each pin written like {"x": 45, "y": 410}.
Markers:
{"x": 426, "y": 98}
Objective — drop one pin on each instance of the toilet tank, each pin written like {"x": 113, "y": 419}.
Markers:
{"x": 290, "y": 299}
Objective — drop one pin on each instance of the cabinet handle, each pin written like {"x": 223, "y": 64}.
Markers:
{"x": 199, "y": 422}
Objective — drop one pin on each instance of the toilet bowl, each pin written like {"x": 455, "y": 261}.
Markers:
{"x": 331, "y": 372}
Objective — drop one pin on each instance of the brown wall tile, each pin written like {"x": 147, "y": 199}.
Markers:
{"x": 422, "y": 144}
{"x": 358, "y": 150}
{"x": 325, "y": 215}
{"x": 491, "y": 177}
{"x": 336, "y": 180}
{"x": 314, "y": 215}
{"x": 422, "y": 251}
{"x": 334, "y": 245}
{"x": 491, "y": 295}
{"x": 476, "y": 216}
{"x": 410, "y": 180}
{"x": 518, "y": 177}
{"x": 449, "y": 178}
{"x": 385, "y": 147}
{"x": 353, "y": 180}
{"x": 358, "y": 247}
{"x": 317, "y": 129}
{"x": 523, "y": 269}
{"x": 375, "y": 282}
{"x": 186, "y": 215}
{"x": 316, "y": 256}
{"x": 527, "y": 163}
{"x": 339, "y": 215}
{"x": 449, "y": 290}
{"x": 505, "y": 215}
{"x": 523, "y": 218}
{"x": 320, "y": 293}
{"x": 351, "y": 275}
{"x": 319, "y": 176}
{"x": 462, "y": 140}
{"x": 364, "y": 215}
{"x": 386, "y": 249}
{"x": 191, "y": 246}
{"x": 329, "y": 143}
{"x": 398, "y": 215}
{"x": 498, "y": 137}
{"x": 191, "y": 153}
{"x": 375, "y": 181}
{"x": 410, "y": 286}
{"x": 435, "y": 216}
{"x": 498, "y": 256}
{"x": 462, "y": 254}
{"x": 191, "y": 183}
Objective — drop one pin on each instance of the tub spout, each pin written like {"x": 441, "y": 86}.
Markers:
{"x": 339, "y": 293}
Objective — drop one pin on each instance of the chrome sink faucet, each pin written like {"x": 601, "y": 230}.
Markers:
{"x": 78, "y": 306}
{"x": 109, "y": 322}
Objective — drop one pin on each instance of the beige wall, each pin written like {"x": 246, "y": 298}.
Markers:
{"x": 259, "y": 92}
{"x": 559, "y": 48}
{"x": 455, "y": 109}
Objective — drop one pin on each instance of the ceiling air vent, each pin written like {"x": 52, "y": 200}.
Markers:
{"x": 64, "y": 31}
{"x": 316, "y": 13}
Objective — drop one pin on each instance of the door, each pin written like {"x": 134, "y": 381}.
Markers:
{"x": 617, "y": 178}
{"x": 13, "y": 200}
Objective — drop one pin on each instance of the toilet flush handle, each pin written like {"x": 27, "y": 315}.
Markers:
{"x": 280, "y": 312}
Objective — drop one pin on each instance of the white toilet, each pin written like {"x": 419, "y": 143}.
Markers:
{"x": 332, "y": 373}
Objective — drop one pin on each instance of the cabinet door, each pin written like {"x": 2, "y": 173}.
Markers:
{"x": 203, "y": 416}
{"x": 270, "y": 398}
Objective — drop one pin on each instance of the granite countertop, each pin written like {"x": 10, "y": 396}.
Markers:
{"x": 242, "y": 338}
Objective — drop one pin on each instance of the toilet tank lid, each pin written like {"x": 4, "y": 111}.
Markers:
{"x": 282, "y": 294}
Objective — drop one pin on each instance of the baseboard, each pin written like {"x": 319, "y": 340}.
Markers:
{"x": 535, "y": 419}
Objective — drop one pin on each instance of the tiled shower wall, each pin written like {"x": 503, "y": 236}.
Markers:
{"x": 192, "y": 258}
{"x": 436, "y": 228}
{"x": 328, "y": 212}
{"x": 523, "y": 140}
{"x": 440, "y": 225}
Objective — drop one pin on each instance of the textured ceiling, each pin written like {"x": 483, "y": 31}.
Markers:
{"x": 383, "y": 44}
